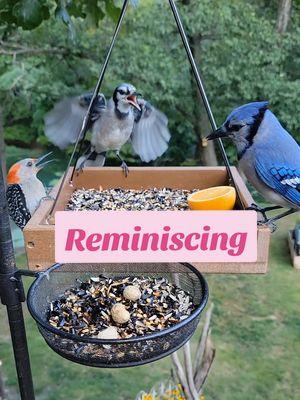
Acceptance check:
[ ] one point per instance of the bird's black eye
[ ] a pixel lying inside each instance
(121, 92)
(235, 128)
(29, 164)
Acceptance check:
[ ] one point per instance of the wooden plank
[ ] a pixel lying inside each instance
(39, 236)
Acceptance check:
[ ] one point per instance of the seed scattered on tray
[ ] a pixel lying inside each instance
(98, 307)
(129, 199)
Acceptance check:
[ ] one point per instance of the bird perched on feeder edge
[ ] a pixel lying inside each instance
(268, 156)
(125, 116)
(24, 190)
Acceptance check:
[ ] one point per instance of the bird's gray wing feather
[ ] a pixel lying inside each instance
(150, 134)
(64, 121)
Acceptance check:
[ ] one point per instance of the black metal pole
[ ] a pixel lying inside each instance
(11, 294)
(202, 92)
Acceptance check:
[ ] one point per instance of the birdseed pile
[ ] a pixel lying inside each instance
(107, 308)
(129, 199)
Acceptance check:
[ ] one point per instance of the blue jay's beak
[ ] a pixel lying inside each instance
(219, 133)
(39, 164)
(132, 99)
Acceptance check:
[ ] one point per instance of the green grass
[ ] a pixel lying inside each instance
(256, 330)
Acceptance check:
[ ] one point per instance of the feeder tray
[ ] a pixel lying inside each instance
(39, 236)
(115, 353)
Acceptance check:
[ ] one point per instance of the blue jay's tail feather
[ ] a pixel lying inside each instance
(97, 161)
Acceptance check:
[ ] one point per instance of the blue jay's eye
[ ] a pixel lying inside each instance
(121, 92)
(235, 128)
(29, 164)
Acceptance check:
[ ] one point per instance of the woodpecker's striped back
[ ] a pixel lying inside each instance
(17, 207)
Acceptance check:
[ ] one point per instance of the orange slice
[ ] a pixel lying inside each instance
(214, 198)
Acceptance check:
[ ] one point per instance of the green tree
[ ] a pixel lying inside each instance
(241, 56)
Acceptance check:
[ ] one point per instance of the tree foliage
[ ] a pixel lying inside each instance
(29, 14)
(242, 58)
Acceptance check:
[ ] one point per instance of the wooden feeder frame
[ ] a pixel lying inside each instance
(39, 236)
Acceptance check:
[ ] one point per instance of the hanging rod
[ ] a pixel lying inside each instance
(81, 135)
(203, 94)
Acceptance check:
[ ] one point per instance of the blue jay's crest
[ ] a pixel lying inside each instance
(247, 114)
(125, 88)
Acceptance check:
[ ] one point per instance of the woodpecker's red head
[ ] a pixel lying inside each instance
(26, 169)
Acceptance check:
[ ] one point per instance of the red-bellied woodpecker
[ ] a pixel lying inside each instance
(24, 190)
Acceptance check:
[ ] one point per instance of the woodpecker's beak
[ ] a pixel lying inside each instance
(132, 99)
(218, 133)
(40, 163)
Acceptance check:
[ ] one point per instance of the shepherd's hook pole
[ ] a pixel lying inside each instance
(11, 294)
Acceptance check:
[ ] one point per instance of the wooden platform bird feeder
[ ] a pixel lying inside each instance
(39, 236)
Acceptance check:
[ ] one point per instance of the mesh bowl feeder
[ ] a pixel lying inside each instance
(115, 353)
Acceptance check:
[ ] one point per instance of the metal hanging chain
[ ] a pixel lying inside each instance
(85, 124)
(203, 94)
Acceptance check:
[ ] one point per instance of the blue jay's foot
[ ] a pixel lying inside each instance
(263, 211)
(257, 208)
(268, 223)
(123, 165)
(79, 169)
(125, 168)
(80, 164)
(271, 222)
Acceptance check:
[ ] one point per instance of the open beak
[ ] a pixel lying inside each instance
(219, 133)
(132, 99)
(40, 163)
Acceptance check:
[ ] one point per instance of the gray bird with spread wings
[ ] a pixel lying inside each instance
(125, 116)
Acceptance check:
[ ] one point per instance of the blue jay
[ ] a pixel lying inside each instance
(124, 117)
(268, 156)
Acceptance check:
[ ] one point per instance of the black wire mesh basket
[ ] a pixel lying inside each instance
(115, 353)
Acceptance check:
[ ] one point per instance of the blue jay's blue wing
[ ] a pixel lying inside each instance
(283, 179)
(277, 159)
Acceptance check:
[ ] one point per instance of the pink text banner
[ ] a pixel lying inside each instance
(155, 236)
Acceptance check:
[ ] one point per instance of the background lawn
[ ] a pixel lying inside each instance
(256, 329)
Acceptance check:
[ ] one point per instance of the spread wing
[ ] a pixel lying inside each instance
(284, 179)
(150, 134)
(64, 121)
(17, 208)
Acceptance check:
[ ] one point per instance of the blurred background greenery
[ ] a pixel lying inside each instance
(246, 50)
